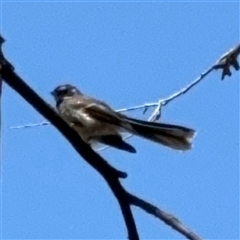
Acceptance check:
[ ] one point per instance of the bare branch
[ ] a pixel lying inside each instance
(184, 90)
(156, 115)
(167, 218)
(109, 173)
(143, 106)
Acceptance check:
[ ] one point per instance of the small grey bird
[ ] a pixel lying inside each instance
(96, 122)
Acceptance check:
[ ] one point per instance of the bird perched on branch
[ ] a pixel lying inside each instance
(96, 122)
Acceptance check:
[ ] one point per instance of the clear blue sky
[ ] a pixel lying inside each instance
(127, 54)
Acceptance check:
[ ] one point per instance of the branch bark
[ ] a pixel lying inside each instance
(109, 173)
(167, 218)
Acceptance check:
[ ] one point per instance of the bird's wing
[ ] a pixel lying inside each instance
(101, 111)
(92, 108)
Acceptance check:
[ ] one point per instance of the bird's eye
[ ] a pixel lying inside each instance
(73, 90)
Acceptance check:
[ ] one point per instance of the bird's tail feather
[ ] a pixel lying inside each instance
(173, 136)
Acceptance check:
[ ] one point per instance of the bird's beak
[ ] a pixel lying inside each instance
(52, 93)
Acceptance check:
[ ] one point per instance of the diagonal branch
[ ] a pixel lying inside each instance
(167, 218)
(184, 90)
(110, 174)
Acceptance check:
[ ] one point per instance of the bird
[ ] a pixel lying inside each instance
(96, 122)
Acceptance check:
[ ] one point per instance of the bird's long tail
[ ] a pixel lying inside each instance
(173, 136)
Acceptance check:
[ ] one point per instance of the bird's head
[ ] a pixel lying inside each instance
(63, 91)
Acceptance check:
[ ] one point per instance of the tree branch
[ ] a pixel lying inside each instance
(109, 173)
(167, 218)
(187, 88)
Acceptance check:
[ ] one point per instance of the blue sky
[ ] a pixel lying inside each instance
(126, 53)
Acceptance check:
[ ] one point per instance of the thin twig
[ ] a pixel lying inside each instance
(225, 62)
(158, 105)
(156, 115)
(184, 90)
(142, 106)
(43, 123)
